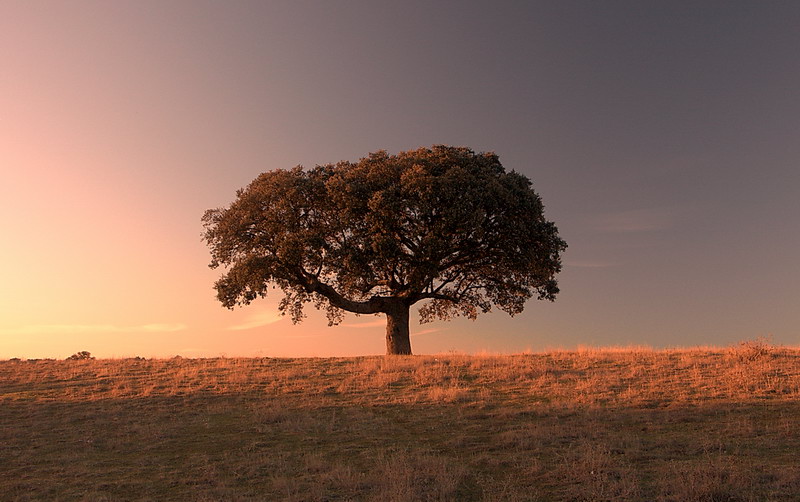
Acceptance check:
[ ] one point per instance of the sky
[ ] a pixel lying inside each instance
(661, 136)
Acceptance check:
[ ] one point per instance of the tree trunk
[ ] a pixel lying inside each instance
(397, 337)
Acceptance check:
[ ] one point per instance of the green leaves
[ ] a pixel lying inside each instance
(442, 224)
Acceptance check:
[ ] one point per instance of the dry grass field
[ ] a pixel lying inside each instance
(589, 425)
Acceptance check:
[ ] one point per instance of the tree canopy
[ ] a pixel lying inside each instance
(441, 224)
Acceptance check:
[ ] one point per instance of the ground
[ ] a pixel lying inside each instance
(591, 425)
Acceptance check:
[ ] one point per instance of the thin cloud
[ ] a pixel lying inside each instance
(369, 324)
(256, 321)
(588, 264)
(71, 329)
(637, 220)
(161, 328)
(426, 331)
(293, 335)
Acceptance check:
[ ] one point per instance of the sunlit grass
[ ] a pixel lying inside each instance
(592, 424)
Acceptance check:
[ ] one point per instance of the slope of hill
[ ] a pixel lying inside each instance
(592, 425)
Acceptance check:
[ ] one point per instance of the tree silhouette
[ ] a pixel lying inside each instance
(442, 225)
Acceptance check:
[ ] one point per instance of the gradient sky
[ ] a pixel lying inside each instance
(663, 137)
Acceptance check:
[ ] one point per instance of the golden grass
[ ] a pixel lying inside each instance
(710, 424)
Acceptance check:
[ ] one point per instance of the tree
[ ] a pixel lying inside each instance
(441, 224)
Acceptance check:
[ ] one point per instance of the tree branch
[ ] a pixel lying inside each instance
(434, 296)
(312, 284)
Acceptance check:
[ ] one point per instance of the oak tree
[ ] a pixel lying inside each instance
(443, 225)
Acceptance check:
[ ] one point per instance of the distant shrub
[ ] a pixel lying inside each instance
(753, 350)
(80, 356)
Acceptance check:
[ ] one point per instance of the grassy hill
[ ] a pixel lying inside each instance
(590, 425)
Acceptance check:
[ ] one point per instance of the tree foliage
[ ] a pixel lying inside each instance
(442, 224)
